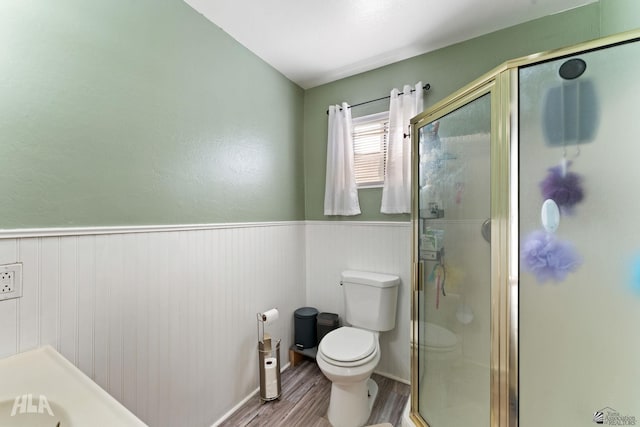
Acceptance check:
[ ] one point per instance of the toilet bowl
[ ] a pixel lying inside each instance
(440, 347)
(347, 356)
(439, 339)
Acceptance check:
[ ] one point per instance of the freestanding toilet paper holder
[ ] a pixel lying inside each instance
(268, 363)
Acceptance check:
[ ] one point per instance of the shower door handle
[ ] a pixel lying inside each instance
(419, 275)
(485, 230)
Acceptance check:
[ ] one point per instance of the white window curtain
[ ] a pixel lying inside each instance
(396, 193)
(340, 193)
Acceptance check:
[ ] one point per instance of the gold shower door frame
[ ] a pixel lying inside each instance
(502, 84)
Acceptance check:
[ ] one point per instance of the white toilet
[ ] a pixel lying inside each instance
(348, 355)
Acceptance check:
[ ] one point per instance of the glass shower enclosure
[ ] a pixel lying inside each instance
(526, 255)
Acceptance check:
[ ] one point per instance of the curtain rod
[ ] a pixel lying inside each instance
(425, 88)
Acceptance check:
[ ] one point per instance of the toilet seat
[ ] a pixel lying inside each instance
(348, 347)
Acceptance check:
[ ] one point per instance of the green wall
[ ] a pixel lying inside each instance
(143, 112)
(447, 70)
(127, 112)
(619, 16)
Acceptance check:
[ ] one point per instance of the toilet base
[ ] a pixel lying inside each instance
(350, 404)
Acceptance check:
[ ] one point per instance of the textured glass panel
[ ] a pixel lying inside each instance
(455, 303)
(580, 285)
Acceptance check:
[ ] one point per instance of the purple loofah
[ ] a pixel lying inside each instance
(564, 189)
(548, 257)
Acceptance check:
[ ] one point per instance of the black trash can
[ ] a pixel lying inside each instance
(305, 327)
(327, 322)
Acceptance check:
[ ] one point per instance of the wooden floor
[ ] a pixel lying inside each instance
(305, 399)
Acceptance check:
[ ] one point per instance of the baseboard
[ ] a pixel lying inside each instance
(242, 402)
(393, 377)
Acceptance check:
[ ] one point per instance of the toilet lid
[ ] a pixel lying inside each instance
(348, 344)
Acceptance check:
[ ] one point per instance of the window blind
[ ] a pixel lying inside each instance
(370, 135)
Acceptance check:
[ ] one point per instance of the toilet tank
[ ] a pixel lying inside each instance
(370, 299)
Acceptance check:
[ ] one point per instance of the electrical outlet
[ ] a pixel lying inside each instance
(10, 281)
(7, 279)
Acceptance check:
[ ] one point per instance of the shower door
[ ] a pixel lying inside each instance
(452, 245)
(580, 267)
(526, 279)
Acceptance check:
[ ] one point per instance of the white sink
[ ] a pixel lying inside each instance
(42, 388)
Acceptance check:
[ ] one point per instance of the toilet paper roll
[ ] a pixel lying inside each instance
(270, 315)
(271, 377)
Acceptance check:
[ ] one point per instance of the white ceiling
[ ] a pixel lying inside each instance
(317, 42)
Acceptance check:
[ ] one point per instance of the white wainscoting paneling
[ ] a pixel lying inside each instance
(165, 321)
(384, 247)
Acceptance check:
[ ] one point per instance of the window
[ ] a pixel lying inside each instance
(370, 136)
